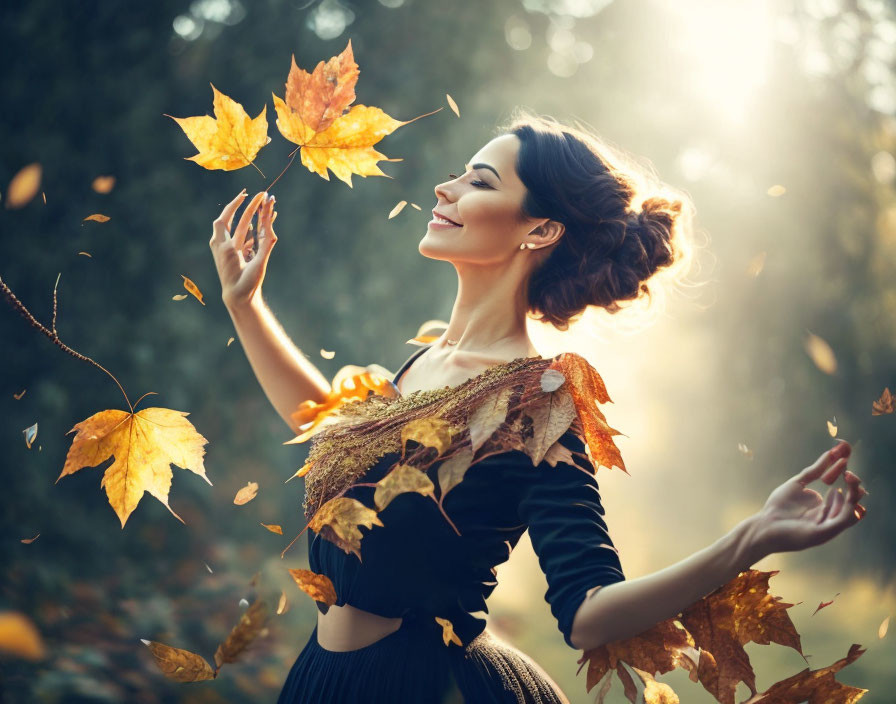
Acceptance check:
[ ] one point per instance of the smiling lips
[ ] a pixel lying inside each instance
(439, 216)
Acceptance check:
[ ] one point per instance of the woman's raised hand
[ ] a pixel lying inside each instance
(240, 268)
(795, 517)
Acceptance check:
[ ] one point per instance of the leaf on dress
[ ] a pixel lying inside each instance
(400, 480)
(488, 416)
(429, 432)
(338, 521)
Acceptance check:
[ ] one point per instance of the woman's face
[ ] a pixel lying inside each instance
(485, 201)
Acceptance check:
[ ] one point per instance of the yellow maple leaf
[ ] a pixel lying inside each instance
(228, 141)
(144, 445)
(311, 116)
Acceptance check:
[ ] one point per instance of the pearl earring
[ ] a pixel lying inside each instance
(530, 245)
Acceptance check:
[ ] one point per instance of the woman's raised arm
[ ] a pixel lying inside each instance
(287, 377)
(793, 518)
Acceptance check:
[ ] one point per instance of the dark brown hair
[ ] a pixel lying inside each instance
(621, 224)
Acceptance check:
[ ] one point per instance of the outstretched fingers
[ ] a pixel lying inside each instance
(242, 228)
(827, 467)
(221, 225)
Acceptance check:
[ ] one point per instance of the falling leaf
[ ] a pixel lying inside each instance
(20, 637)
(756, 264)
(745, 451)
(338, 521)
(414, 205)
(243, 603)
(144, 445)
(208, 568)
(179, 665)
(246, 494)
(23, 186)
(317, 586)
(28, 541)
(179, 297)
(327, 354)
(19, 395)
(192, 288)
(98, 217)
(229, 341)
(452, 104)
(882, 629)
(448, 634)
(397, 209)
(832, 428)
(776, 191)
(228, 141)
(30, 434)
(44, 196)
(824, 603)
(814, 686)
(884, 404)
(103, 184)
(283, 604)
(274, 528)
(821, 353)
(312, 117)
(400, 480)
(86, 254)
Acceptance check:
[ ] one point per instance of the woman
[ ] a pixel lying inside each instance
(543, 220)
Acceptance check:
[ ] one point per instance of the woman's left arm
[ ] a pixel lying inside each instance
(793, 518)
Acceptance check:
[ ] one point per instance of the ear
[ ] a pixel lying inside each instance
(548, 233)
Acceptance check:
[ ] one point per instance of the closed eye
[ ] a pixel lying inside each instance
(480, 184)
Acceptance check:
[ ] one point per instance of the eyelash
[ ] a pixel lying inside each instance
(480, 184)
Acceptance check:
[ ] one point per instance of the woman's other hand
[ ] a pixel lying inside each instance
(795, 517)
(240, 268)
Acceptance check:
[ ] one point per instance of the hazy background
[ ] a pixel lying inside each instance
(777, 119)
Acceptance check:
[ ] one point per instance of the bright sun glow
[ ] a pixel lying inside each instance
(728, 45)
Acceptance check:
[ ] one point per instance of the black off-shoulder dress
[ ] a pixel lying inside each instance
(416, 567)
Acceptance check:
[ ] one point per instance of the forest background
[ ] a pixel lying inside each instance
(779, 119)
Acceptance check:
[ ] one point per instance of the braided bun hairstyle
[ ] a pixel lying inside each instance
(619, 228)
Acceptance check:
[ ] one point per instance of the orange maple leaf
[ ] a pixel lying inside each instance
(228, 141)
(144, 445)
(311, 116)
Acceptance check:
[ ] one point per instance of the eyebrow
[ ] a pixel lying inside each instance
(483, 166)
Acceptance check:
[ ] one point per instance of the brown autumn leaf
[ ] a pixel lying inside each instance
(814, 686)
(180, 665)
(229, 140)
(339, 519)
(103, 184)
(317, 586)
(247, 629)
(448, 634)
(884, 404)
(23, 186)
(311, 116)
(587, 389)
(144, 445)
(20, 637)
(429, 432)
(28, 541)
(823, 604)
(246, 494)
(192, 288)
(274, 528)
(98, 217)
(706, 639)
(86, 254)
(401, 480)
(656, 692)
(19, 395)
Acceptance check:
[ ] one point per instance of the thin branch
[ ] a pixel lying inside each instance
(19, 306)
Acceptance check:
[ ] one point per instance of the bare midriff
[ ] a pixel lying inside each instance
(345, 628)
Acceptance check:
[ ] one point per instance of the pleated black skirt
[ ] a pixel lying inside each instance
(408, 666)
